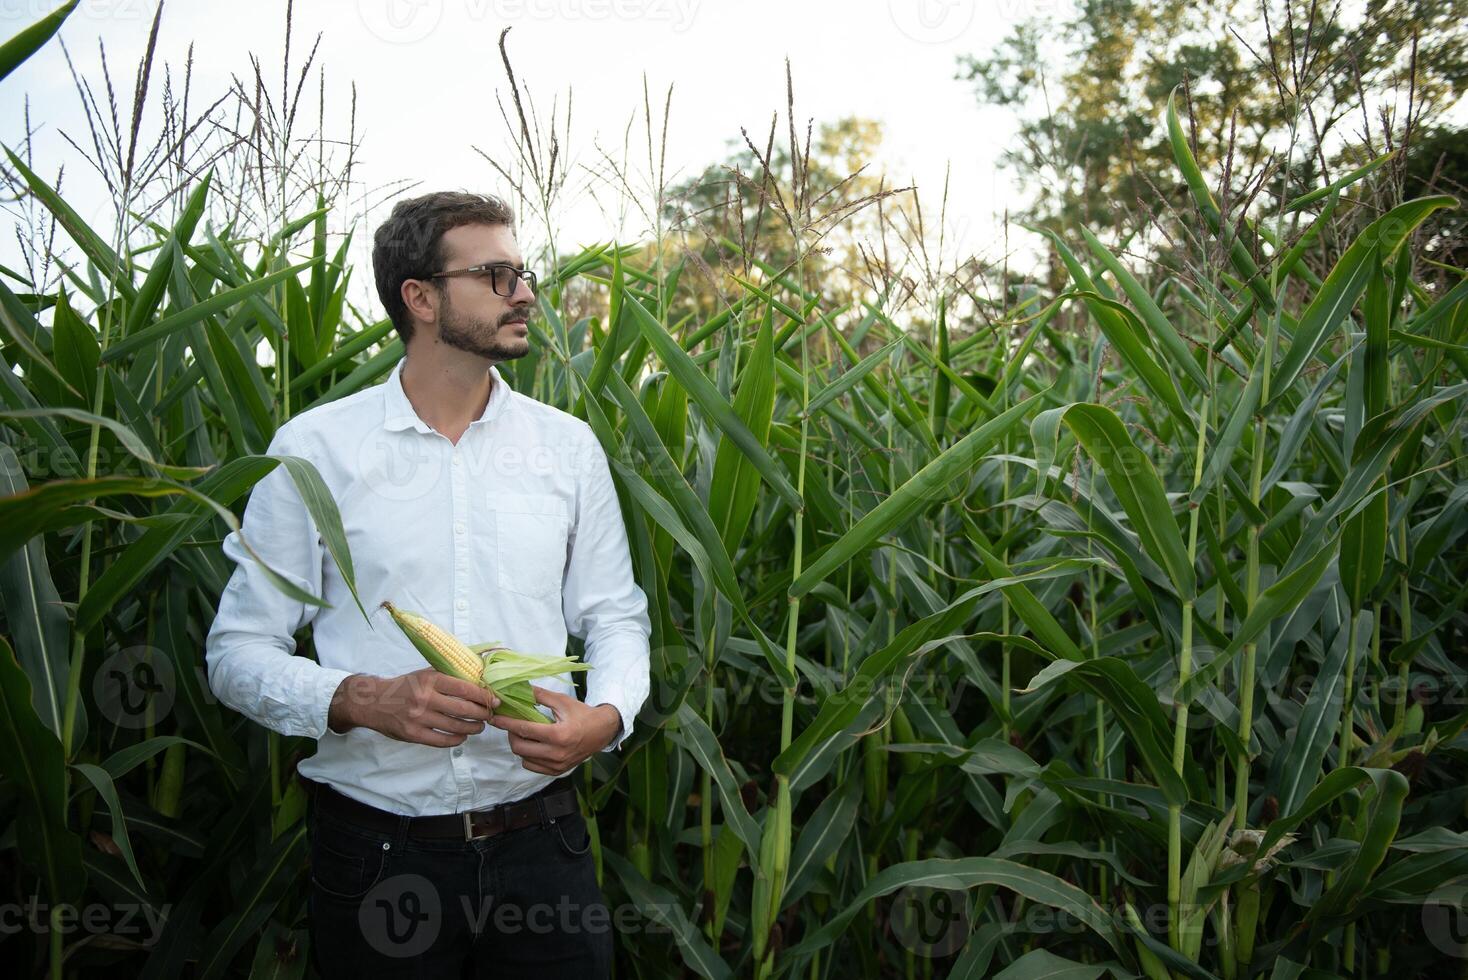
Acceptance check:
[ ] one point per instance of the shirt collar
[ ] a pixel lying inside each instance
(399, 413)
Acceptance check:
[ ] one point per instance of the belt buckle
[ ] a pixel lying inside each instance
(469, 827)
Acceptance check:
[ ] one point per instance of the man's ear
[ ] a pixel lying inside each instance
(421, 299)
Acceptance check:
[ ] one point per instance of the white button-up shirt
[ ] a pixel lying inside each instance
(514, 534)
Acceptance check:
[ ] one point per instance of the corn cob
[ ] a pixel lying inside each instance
(439, 647)
(496, 668)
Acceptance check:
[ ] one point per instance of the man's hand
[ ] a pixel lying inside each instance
(425, 706)
(579, 732)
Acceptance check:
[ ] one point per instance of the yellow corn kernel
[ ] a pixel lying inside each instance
(439, 647)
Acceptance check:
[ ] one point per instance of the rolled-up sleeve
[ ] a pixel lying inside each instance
(251, 644)
(602, 603)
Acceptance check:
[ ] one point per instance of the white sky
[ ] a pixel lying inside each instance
(419, 64)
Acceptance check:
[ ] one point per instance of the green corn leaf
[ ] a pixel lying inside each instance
(127, 437)
(38, 625)
(36, 348)
(1132, 478)
(300, 325)
(1363, 550)
(619, 331)
(293, 227)
(735, 483)
(1222, 454)
(703, 392)
(1280, 598)
(942, 386)
(962, 873)
(212, 494)
(1135, 706)
(1162, 330)
(1447, 303)
(661, 907)
(1331, 787)
(1299, 767)
(21, 46)
(850, 378)
(1238, 252)
(255, 900)
(195, 314)
(155, 283)
(728, 858)
(75, 351)
(1346, 282)
(1041, 964)
(1343, 898)
(841, 707)
(101, 781)
(821, 836)
(978, 953)
(320, 286)
(1047, 629)
(1299, 427)
(689, 524)
(794, 382)
(696, 736)
(364, 374)
(33, 765)
(908, 500)
(1117, 324)
(1379, 441)
(1340, 184)
(341, 358)
(124, 760)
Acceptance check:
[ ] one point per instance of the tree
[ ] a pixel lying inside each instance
(1091, 145)
(756, 201)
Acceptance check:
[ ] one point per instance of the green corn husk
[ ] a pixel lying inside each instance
(508, 673)
(1152, 966)
(169, 791)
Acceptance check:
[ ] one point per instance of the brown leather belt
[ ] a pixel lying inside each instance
(544, 807)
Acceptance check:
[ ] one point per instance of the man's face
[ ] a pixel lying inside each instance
(472, 317)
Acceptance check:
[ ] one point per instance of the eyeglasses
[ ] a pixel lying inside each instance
(502, 276)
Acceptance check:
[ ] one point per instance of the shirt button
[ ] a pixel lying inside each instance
(462, 604)
(459, 527)
(458, 460)
(458, 752)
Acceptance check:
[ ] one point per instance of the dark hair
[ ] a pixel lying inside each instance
(408, 245)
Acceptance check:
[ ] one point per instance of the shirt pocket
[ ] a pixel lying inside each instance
(530, 542)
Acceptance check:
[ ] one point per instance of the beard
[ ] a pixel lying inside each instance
(476, 335)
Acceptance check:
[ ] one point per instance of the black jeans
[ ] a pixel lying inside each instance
(519, 904)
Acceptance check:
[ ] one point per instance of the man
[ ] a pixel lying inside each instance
(442, 841)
